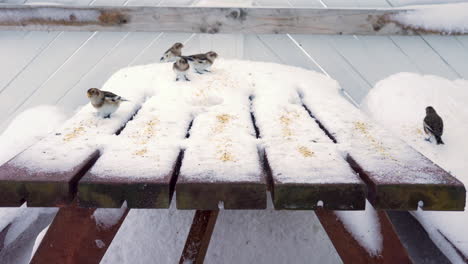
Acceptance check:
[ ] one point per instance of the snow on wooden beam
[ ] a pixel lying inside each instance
(79, 235)
(199, 236)
(210, 20)
(349, 248)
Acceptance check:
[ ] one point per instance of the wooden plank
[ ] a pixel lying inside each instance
(208, 20)
(86, 239)
(398, 177)
(199, 237)
(452, 50)
(38, 70)
(349, 248)
(149, 164)
(221, 168)
(46, 173)
(305, 167)
(321, 49)
(424, 57)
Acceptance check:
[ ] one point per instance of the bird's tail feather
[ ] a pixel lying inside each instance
(439, 140)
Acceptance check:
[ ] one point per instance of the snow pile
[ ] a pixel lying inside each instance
(384, 157)
(364, 226)
(27, 128)
(83, 133)
(258, 236)
(399, 103)
(448, 18)
(222, 143)
(106, 218)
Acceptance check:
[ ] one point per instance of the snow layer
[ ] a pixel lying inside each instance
(247, 236)
(385, 157)
(222, 144)
(449, 18)
(106, 218)
(412, 93)
(364, 226)
(84, 132)
(26, 129)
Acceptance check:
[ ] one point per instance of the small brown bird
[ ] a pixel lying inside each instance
(106, 103)
(202, 62)
(181, 67)
(433, 125)
(172, 53)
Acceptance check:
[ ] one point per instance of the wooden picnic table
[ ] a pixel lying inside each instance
(318, 152)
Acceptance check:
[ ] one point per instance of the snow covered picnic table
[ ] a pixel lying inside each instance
(222, 141)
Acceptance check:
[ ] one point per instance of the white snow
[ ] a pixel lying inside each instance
(26, 129)
(38, 241)
(399, 103)
(106, 218)
(258, 236)
(449, 18)
(364, 226)
(84, 133)
(379, 153)
(222, 144)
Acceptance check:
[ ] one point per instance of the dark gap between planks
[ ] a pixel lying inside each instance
(73, 184)
(178, 164)
(261, 152)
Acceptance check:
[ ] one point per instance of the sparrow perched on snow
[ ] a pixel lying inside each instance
(105, 102)
(202, 62)
(181, 67)
(433, 125)
(172, 53)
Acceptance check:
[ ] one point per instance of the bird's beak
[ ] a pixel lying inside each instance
(89, 95)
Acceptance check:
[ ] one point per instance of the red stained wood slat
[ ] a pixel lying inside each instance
(199, 237)
(351, 251)
(76, 237)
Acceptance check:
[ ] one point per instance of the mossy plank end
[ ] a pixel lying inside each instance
(305, 196)
(111, 192)
(430, 197)
(40, 188)
(200, 195)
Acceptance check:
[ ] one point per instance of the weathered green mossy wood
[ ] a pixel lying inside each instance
(305, 196)
(437, 197)
(40, 189)
(302, 196)
(440, 196)
(111, 192)
(203, 195)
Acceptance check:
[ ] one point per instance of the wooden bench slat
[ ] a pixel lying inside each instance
(77, 236)
(46, 173)
(199, 237)
(349, 248)
(141, 166)
(305, 165)
(398, 176)
(221, 166)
